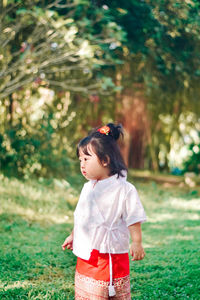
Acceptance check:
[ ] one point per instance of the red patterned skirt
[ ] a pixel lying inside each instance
(92, 277)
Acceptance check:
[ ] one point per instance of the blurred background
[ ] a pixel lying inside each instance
(68, 66)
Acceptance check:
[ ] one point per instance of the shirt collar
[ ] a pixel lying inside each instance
(104, 183)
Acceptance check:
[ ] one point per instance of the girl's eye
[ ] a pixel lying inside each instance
(83, 159)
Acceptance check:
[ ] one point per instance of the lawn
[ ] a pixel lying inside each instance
(36, 216)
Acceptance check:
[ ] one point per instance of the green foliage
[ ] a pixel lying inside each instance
(26, 154)
(192, 164)
(58, 50)
(56, 45)
(81, 48)
(161, 53)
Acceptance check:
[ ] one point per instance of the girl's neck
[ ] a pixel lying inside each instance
(100, 179)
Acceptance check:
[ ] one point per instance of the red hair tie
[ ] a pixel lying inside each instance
(104, 130)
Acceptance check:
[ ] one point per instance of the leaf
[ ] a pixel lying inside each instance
(21, 11)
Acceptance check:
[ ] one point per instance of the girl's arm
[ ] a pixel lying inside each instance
(68, 243)
(136, 248)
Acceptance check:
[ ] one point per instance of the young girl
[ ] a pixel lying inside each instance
(108, 212)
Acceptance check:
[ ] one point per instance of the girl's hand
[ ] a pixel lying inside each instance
(68, 243)
(137, 251)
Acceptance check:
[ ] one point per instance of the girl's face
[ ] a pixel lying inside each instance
(91, 167)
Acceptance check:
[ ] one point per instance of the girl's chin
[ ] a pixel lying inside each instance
(85, 175)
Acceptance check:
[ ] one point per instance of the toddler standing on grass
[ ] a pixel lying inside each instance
(108, 212)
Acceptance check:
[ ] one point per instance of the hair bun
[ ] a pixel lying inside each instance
(115, 130)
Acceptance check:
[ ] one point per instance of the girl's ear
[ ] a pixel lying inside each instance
(106, 161)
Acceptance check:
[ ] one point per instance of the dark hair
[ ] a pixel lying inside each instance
(105, 147)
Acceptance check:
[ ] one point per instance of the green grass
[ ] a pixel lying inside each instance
(36, 216)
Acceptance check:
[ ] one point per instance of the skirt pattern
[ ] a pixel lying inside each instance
(87, 288)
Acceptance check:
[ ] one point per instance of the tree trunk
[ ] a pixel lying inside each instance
(136, 153)
(134, 118)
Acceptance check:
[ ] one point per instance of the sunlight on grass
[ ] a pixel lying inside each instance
(196, 228)
(16, 284)
(145, 245)
(181, 237)
(53, 203)
(32, 215)
(162, 217)
(192, 204)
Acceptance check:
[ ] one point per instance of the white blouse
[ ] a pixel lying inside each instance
(104, 211)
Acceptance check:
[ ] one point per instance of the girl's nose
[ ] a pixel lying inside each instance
(82, 165)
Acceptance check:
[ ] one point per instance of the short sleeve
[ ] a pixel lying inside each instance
(133, 209)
